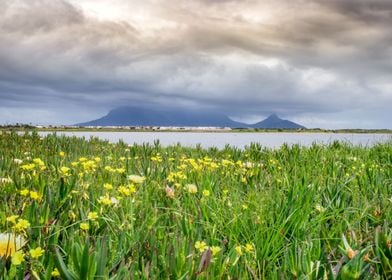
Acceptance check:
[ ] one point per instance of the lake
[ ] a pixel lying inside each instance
(239, 140)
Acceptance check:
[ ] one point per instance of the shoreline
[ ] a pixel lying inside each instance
(191, 129)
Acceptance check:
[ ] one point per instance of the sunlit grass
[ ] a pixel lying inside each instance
(89, 209)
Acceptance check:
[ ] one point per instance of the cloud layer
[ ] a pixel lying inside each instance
(324, 63)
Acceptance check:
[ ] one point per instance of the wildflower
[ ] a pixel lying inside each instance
(7, 180)
(21, 225)
(169, 192)
(238, 250)
(132, 188)
(319, 208)
(40, 163)
(136, 179)
(206, 193)
(92, 215)
(35, 196)
(215, 250)
(61, 154)
(55, 273)
(12, 219)
(72, 215)
(120, 170)
(114, 201)
(351, 253)
(64, 171)
(28, 167)
(24, 192)
(17, 161)
(108, 187)
(10, 243)
(84, 226)
(37, 252)
(109, 169)
(201, 246)
(124, 191)
(105, 200)
(192, 188)
(17, 258)
(248, 248)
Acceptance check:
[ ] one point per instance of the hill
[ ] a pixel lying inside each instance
(273, 121)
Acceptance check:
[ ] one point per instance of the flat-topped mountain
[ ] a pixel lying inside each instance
(140, 116)
(133, 116)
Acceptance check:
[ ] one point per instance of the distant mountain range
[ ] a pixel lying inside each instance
(137, 116)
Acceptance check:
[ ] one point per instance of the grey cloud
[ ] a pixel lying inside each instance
(325, 58)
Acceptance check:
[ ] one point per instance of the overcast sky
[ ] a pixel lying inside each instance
(322, 63)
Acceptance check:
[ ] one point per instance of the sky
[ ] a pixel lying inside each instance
(322, 63)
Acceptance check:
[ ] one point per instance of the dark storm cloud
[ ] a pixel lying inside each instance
(246, 58)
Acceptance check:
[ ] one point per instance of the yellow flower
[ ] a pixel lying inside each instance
(21, 225)
(40, 163)
(206, 193)
(35, 196)
(24, 192)
(61, 154)
(120, 170)
(192, 188)
(17, 258)
(215, 250)
(28, 167)
(201, 246)
(124, 191)
(37, 252)
(92, 215)
(10, 243)
(105, 200)
(64, 171)
(55, 273)
(248, 248)
(238, 250)
(84, 226)
(12, 219)
(136, 179)
(108, 187)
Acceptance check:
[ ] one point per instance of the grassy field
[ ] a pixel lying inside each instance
(87, 209)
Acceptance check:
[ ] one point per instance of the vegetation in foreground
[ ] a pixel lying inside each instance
(88, 209)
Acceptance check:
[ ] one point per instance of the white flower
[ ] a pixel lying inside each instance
(17, 161)
(136, 179)
(5, 180)
(10, 243)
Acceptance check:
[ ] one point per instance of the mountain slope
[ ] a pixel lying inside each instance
(273, 121)
(134, 116)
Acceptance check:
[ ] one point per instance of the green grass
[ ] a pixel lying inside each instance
(318, 212)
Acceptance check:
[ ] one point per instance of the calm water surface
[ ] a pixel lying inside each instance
(239, 140)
